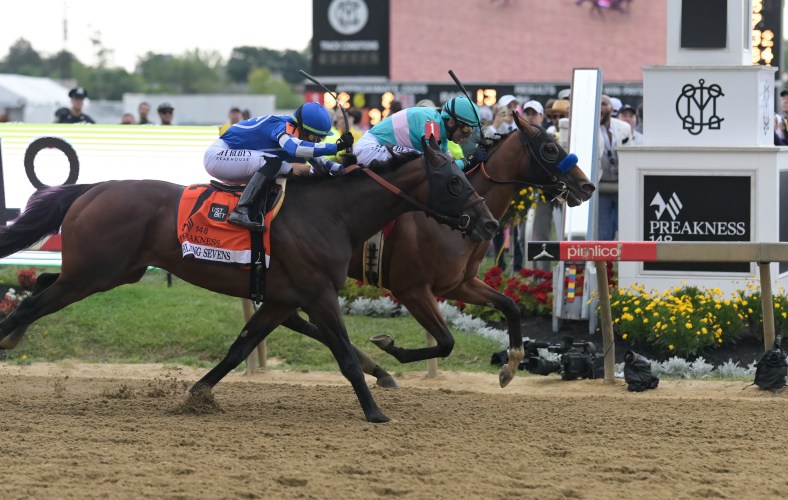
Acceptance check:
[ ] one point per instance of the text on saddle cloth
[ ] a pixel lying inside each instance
(205, 234)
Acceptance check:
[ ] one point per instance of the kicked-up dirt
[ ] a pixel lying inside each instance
(124, 431)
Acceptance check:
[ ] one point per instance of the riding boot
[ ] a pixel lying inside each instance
(256, 185)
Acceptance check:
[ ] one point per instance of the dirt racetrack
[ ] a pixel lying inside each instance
(123, 431)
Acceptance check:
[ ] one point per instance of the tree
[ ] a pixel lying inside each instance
(191, 73)
(22, 58)
(243, 60)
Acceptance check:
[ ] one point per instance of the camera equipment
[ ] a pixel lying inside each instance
(772, 368)
(637, 373)
(577, 360)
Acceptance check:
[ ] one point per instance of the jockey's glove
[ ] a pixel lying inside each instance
(478, 156)
(345, 141)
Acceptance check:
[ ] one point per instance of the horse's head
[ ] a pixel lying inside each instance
(555, 171)
(453, 198)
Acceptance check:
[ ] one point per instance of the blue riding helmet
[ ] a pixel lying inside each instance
(314, 118)
(462, 110)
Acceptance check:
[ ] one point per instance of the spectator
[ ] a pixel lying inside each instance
(628, 114)
(166, 111)
(233, 117)
(613, 134)
(127, 119)
(534, 113)
(75, 114)
(143, 109)
(246, 114)
(257, 150)
(548, 122)
(559, 109)
(503, 121)
(616, 102)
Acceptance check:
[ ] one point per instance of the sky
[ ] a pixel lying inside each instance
(133, 28)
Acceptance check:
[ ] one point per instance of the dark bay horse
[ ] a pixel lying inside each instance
(417, 269)
(112, 231)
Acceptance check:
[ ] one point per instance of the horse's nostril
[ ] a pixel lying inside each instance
(491, 226)
(589, 187)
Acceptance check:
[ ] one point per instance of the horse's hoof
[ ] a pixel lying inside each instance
(387, 382)
(378, 418)
(383, 341)
(505, 376)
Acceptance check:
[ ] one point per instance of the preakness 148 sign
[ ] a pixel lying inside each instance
(697, 208)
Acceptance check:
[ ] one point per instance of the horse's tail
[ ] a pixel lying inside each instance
(43, 215)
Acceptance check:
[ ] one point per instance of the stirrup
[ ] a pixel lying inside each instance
(241, 219)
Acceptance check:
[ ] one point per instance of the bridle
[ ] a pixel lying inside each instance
(457, 191)
(549, 162)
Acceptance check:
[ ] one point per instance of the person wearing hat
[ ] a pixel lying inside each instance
(75, 114)
(403, 131)
(166, 111)
(628, 114)
(503, 122)
(256, 150)
(534, 113)
(559, 109)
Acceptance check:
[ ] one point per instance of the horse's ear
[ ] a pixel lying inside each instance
(431, 151)
(524, 125)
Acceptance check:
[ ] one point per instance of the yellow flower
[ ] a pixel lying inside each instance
(671, 347)
(688, 325)
(624, 336)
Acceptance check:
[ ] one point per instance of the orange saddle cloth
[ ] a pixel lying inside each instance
(203, 230)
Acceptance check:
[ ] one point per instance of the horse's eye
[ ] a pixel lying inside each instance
(455, 186)
(550, 151)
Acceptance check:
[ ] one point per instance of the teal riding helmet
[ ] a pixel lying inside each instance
(462, 110)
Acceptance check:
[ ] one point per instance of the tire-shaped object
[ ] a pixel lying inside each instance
(50, 142)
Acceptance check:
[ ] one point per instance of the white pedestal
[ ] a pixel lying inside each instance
(704, 194)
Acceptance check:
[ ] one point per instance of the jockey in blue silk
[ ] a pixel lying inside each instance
(258, 149)
(403, 131)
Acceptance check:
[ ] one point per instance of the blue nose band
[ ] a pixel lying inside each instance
(567, 163)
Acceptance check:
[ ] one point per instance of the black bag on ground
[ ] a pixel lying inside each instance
(637, 373)
(772, 368)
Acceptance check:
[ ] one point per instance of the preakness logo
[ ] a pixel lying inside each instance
(673, 205)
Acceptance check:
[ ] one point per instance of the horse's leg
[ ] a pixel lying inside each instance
(327, 316)
(423, 306)
(262, 322)
(43, 282)
(477, 292)
(302, 326)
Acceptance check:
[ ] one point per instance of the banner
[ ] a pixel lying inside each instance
(36, 155)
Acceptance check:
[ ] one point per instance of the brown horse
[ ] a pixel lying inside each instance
(418, 269)
(112, 232)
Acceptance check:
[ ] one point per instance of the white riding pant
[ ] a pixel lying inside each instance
(236, 165)
(369, 149)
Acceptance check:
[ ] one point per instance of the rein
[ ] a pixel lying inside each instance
(558, 185)
(462, 222)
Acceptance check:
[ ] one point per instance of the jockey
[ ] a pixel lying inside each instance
(404, 129)
(257, 149)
